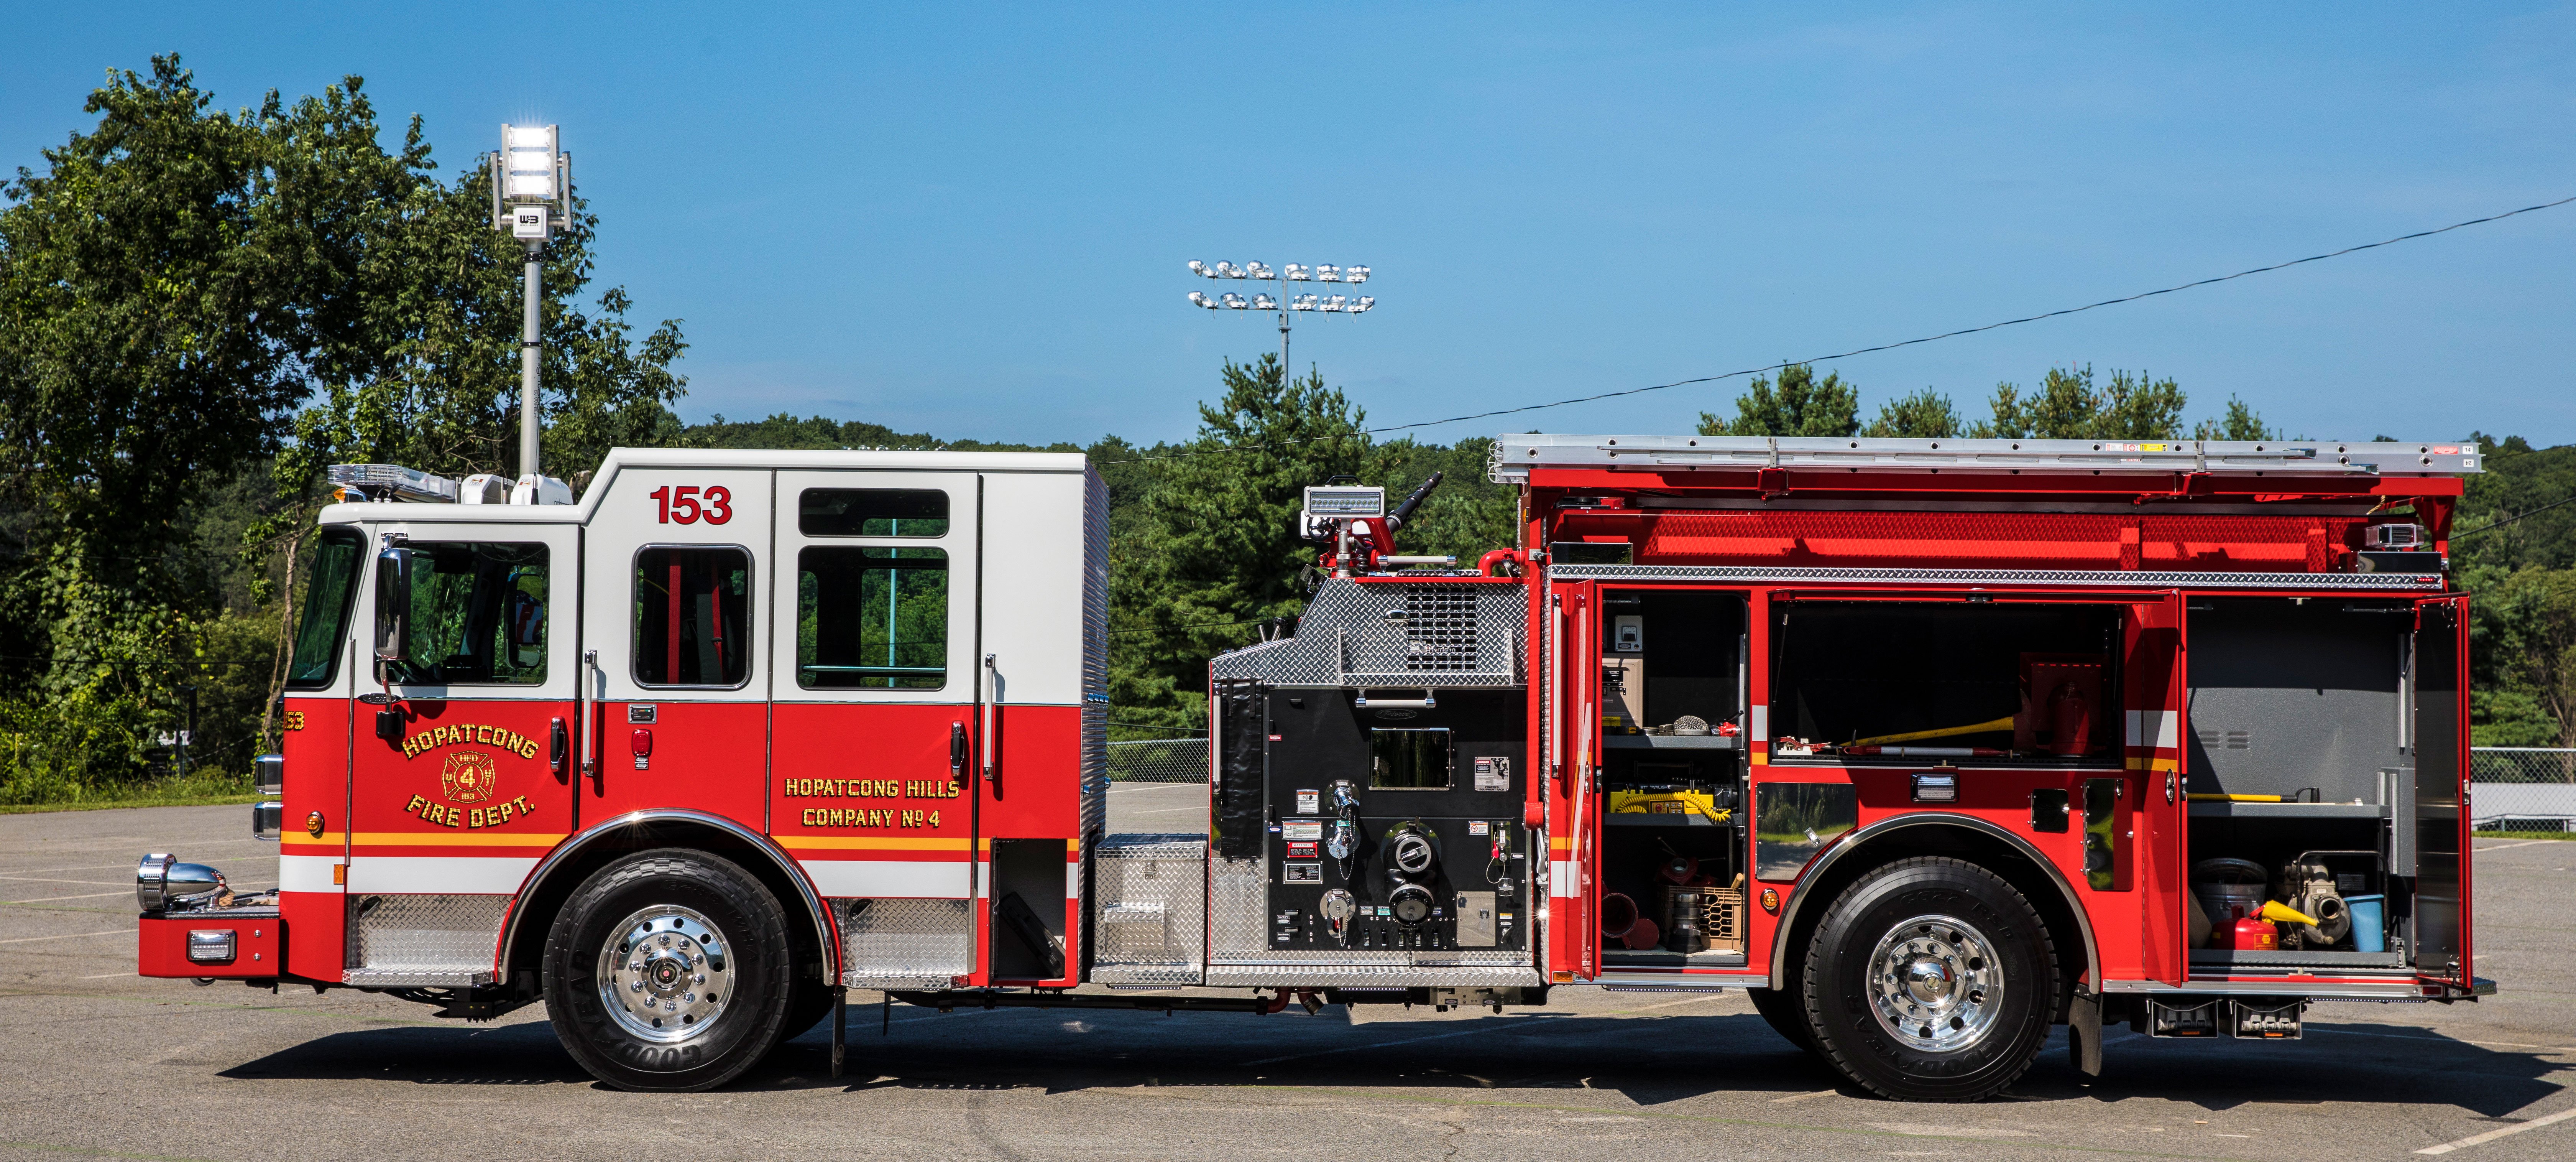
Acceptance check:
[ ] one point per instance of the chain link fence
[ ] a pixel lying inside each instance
(2522, 788)
(1159, 760)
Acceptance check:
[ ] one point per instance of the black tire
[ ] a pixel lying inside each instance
(1785, 1010)
(1931, 979)
(712, 934)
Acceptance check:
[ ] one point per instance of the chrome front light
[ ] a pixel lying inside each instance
(161, 881)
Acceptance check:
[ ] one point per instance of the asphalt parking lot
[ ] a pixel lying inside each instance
(107, 1065)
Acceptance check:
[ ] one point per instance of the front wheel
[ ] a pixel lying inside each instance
(1931, 979)
(668, 970)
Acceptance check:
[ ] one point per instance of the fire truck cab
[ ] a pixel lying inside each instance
(1932, 746)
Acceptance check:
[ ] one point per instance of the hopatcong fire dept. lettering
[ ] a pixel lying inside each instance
(463, 733)
(447, 816)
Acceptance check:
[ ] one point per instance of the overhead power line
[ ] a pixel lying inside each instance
(1597, 397)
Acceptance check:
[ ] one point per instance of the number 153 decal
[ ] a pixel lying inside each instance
(684, 504)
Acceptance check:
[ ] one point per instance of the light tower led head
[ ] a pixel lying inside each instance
(531, 183)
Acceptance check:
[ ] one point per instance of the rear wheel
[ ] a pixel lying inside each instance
(1931, 979)
(668, 970)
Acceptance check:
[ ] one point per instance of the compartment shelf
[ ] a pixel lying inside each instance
(1669, 741)
(2288, 811)
(1655, 819)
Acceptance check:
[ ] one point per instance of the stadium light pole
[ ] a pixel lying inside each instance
(1282, 300)
(531, 198)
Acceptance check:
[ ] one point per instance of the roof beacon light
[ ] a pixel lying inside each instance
(379, 482)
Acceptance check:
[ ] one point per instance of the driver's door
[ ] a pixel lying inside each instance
(460, 776)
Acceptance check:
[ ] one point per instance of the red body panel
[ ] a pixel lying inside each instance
(467, 779)
(161, 946)
(706, 756)
(1885, 520)
(872, 782)
(316, 748)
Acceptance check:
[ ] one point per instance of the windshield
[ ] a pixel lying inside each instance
(324, 625)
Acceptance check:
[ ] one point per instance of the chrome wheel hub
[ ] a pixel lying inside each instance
(1934, 984)
(662, 974)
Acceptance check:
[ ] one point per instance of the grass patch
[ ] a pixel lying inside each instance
(201, 790)
(2560, 835)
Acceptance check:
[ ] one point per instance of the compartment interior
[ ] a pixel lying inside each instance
(1673, 788)
(2031, 684)
(2299, 724)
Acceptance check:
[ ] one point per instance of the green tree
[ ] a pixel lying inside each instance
(2240, 423)
(1799, 405)
(1217, 546)
(1924, 415)
(2068, 406)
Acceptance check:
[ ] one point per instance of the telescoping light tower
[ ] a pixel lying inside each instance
(531, 198)
(1282, 300)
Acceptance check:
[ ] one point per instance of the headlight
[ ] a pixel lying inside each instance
(161, 881)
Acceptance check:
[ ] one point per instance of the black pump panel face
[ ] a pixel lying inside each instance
(1413, 811)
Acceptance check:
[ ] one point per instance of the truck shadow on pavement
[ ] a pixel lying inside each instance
(1651, 1062)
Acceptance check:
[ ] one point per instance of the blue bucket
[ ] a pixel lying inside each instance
(2369, 928)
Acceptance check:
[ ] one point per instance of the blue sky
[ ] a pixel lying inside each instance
(974, 222)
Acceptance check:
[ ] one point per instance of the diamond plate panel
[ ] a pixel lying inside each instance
(424, 940)
(1095, 654)
(1395, 633)
(1149, 910)
(1239, 918)
(903, 943)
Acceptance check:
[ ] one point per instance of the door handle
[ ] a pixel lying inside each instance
(957, 753)
(992, 742)
(590, 764)
(559, 751)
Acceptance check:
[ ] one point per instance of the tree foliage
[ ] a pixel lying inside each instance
(1799, 405)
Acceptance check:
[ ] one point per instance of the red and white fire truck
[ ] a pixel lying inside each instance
(1931, 745)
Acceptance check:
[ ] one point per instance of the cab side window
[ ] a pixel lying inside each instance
(692, 617)
(478, 615)
(871, 618)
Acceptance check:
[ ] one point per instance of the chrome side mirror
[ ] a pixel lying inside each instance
(393, 605)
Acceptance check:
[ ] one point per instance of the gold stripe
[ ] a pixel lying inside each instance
(453, 839)
(870, 843)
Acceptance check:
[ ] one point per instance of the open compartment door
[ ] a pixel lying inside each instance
(2158, 695)
(2440, 949)
(1574, 678)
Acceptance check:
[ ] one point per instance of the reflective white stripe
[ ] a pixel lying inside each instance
(1072, 881)
(465, 875)
(1561, 879)
(1761, 723)
(924, 879)
(306, 873)
(2137, 730)
(2168, 728)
